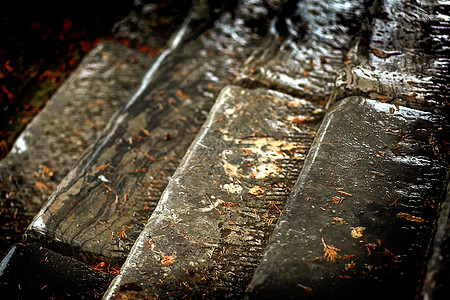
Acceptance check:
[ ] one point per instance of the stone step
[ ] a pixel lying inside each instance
(78, 111)
(217, 213)
(238, 177)
(362, 215)
(102, 83)
(100, 208)
(44, 153)
(180, 254)
(29, 272)
(399, 57)
(305, 47)
(438, 272)
(360, 218)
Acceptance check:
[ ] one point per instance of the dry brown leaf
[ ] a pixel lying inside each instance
(330, 252)
(410, 217)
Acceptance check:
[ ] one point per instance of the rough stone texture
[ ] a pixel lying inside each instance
(306, 46)
(385, 221)
(215, 217)
(33, 272)
(360, 218)
(400, 56)
(437, 276)
(102, 205)
(56, 138)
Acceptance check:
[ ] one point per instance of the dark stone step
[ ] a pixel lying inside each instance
(360, 218)
(306, 46)
(99, 210)
(56, 138)
(230, 276)
(399, 57)
(215, 217)
(30, 271)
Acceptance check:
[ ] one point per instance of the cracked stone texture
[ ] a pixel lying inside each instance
(360, 217)
(216, 215)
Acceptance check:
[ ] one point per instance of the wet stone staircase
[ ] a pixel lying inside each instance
(273, 149)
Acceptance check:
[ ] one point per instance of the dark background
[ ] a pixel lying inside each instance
(41, 43)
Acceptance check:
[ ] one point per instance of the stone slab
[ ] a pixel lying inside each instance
(360, 218)
(215, 217)
(306, 46)
(100, 208)
(400, 57)
(56, 138)
(33, 272)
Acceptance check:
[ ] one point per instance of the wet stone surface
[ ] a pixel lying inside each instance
(207, 234)
(360, 218)
(306, 47)
(103, 204)
(33, 272)
(55, 140)
(400, 57)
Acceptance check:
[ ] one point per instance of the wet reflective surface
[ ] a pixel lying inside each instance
(215, 217)
(361, 214)
(363, 211)
(104, 203)
(55, 140)
(306, 45)
(400, 57)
